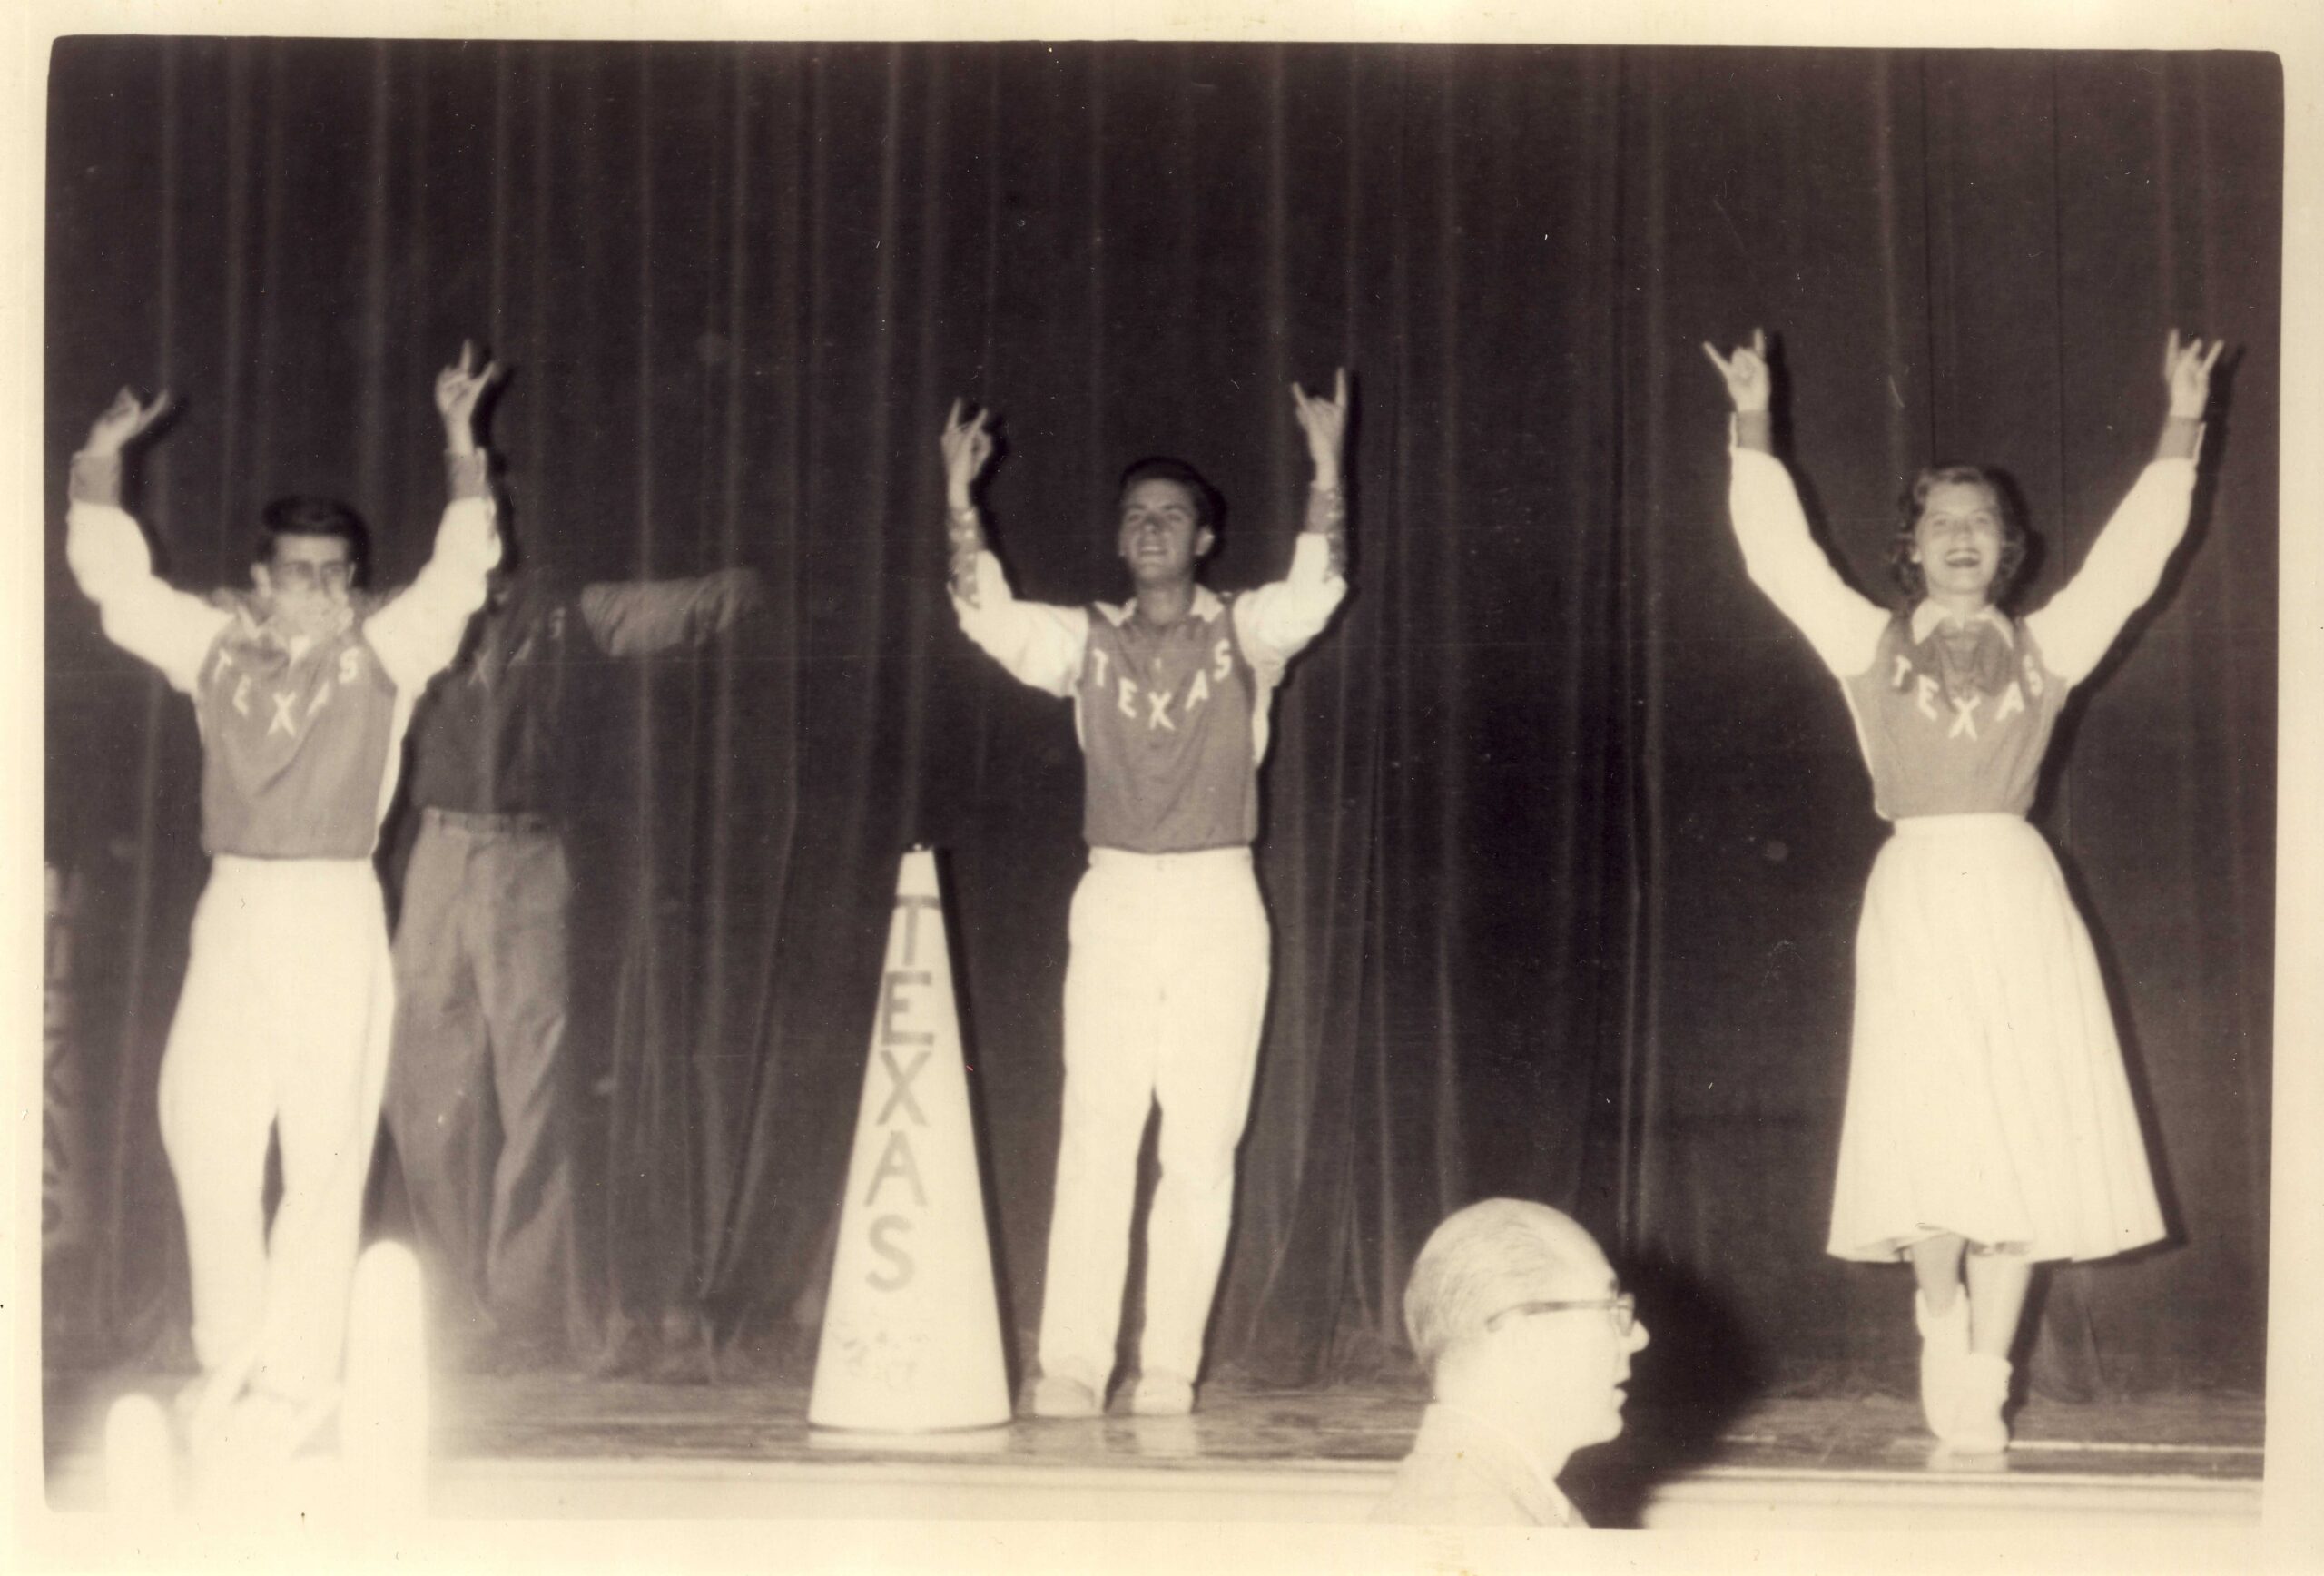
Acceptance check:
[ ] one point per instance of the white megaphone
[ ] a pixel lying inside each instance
(911, 1327)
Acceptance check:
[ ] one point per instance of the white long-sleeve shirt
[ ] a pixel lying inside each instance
(1153, 706)
(1944, 733)
(2075, 629)
(301, 740)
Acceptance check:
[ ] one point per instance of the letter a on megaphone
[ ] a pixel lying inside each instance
(912, 1330)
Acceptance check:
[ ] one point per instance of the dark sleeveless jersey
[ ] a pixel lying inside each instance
(1955, 731)
(488, 736)
(295, 752)
(1166, 716)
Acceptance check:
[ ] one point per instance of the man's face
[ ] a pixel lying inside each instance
(1957, 540)
(1569, 1364)
(1161, 539)
(306, 582)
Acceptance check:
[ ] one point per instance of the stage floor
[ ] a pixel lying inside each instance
(547, 1446)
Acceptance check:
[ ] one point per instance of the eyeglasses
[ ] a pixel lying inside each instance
(1623, 1305)
(301, 575)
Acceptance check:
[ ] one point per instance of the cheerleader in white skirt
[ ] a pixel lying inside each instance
(1989, 1124)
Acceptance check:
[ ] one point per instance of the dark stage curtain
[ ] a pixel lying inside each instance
(1565, 831)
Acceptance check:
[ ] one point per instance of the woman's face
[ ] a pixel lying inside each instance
(1958, 541)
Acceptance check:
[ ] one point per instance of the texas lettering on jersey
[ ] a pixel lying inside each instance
(1157, 702)
(1954, 730)
(1166, 716)
(291, 699)
(1959, 707)
(293, 747)
(515, 640)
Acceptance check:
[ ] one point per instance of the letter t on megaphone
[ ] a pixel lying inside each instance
(911, 1329)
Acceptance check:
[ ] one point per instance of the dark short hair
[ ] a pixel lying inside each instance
(1209, 507)
(1913, 503)
(313, 517)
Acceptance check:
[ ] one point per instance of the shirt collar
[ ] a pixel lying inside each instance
(262, 625)
(1499, 1451)
(1207, 605)
(1930, 614)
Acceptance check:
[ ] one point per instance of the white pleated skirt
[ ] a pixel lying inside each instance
(1986, 1095)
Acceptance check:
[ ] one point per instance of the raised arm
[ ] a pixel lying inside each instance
(419, 632)
(1039, 645)
(640, 617)
(1779, 553)
(107, 552)
(459, 392)
(2126, 563)
(1275, 621)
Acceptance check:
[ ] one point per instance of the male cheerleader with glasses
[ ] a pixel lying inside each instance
(303, 686)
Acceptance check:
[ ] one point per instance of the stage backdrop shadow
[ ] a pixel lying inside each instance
(1564, 829)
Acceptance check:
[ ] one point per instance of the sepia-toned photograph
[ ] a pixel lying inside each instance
(1334, 784)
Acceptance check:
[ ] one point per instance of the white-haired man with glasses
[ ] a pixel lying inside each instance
(1526, 1338)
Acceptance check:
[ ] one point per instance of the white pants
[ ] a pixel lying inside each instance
(1165, 998)
(284, 1027)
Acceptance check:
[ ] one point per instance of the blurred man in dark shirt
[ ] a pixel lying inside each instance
(481, 948)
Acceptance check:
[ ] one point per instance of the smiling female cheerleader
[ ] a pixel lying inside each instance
(1989, 1124)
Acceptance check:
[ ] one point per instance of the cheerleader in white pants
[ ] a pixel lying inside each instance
(1989, 1124)
(302, 688)
(1166, 987)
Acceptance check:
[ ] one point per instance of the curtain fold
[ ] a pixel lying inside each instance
(1564, 832)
